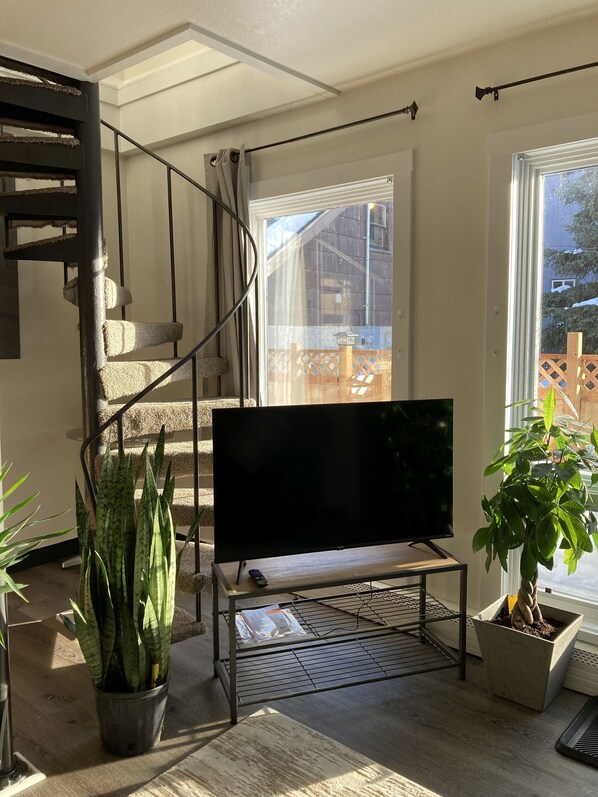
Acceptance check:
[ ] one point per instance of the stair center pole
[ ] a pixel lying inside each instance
(92, 311)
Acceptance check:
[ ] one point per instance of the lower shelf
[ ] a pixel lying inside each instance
(307, 668)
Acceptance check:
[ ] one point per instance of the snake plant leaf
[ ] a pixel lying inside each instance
(131, 645)
(188, 537)
(159, 454)
(89, 642)
(83, 522)
(168, 489)
(145, 523)
(103, 497)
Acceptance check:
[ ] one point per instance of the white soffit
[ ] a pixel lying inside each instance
(184, 55)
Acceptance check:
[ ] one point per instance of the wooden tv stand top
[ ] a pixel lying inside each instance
(329, 568)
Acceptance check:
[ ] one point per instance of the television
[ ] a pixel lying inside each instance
(299, 479)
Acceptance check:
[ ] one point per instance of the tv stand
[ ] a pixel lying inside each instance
(432, 545)
(367, 614)
(242, 564)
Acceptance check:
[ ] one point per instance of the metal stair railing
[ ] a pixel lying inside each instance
(247, 245)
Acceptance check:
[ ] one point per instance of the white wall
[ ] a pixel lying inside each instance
(451, 140)
(40, 394)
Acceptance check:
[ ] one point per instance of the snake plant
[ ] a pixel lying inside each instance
(125, 604)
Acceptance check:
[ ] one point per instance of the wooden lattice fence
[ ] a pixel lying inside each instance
(575, 374)
(316, 376)
(313, 376)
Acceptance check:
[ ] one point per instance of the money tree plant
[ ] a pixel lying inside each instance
(543, 503)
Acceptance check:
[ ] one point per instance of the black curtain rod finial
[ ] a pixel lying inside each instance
(413, 109)
(480, 93)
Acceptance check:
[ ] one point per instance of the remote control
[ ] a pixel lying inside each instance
(258, 577)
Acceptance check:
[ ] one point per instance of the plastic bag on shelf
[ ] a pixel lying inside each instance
(266, 624)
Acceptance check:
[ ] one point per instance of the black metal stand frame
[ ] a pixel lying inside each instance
(362, 633)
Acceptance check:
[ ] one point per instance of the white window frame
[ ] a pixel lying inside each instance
(560, 283)
(518, 161)
(266, 198)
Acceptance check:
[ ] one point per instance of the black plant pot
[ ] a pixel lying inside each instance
(131, 722)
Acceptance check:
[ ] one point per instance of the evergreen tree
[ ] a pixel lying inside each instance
(578, 188)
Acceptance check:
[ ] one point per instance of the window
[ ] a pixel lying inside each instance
(328, 294)
(334, 282)
(553, 327)
(556, 285)
(378, 225)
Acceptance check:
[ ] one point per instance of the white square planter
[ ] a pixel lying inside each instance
(521, 667)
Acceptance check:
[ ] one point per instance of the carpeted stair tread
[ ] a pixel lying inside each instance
(48, 141)
(121, 337)
(148, 417)
(114, 295)
(128, 377)
(43, 154)
(43, 125)
(188, 580)
(16, 171)
(52, 99)
(185, 626)
(59, 87)
(34, 207)
(40, 243)
(39, 224)
(183, 505)
(179, 453)
(59, 249)
(53, 191)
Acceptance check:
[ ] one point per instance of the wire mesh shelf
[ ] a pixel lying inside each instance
(306, 668)
(328, 613)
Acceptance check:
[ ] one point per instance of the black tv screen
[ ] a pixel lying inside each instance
(298, 479)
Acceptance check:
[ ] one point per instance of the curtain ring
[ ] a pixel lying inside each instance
(234, 156)
(213, 160)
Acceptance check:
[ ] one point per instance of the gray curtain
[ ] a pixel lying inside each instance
(227, 178)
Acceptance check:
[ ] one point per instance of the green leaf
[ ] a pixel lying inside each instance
(548, 409)
(529, 562)
(547, 536)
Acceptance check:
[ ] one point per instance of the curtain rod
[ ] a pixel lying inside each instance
(480, 93)
(410, 109)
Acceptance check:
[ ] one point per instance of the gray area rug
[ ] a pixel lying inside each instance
(270, 755)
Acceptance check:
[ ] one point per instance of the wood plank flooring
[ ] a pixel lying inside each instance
(451, 736)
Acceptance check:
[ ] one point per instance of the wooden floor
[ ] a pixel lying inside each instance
(451, 736)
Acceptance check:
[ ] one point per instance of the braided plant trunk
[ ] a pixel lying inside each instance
(526, 611)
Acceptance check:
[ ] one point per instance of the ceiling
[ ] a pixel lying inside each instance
(329, 44)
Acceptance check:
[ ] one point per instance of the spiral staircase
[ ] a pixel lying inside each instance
(50, 160)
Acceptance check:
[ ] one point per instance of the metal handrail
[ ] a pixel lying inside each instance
(117, 417)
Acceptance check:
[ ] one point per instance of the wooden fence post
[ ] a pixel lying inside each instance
(345, 371)
(574, 369)
(296, 375)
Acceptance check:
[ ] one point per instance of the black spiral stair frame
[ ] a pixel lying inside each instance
(77, 113)
(92, 444)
